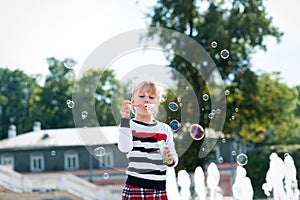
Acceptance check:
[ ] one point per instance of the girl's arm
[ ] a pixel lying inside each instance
(125, 136)
(171, 147)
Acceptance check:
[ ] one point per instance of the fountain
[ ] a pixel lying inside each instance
(213, 179)
(242, 188)
(184, 183)
(274, 178)
(290, 180)
(281, 178)
(281, 182)
(171, 184)
(199, 183)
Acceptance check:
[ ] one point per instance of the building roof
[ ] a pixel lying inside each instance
(63, 137)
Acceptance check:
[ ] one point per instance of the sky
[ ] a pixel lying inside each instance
(33, 30)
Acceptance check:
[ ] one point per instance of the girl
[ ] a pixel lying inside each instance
(140, 138)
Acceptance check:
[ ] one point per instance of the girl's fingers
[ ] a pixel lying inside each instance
(167, 153)
(125, 109)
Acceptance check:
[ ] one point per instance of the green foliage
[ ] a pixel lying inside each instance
(53, 111)
(266, 110)
(95, 91)
(23, 101)
(239, 27)
(17, 92)
(274, 119)
(242, 103)
(166, 115)
(297, 111)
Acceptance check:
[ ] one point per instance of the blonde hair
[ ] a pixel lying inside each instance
(146, 86)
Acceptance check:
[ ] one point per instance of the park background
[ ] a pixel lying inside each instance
(38, 39)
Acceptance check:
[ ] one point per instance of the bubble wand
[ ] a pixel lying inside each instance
(151, 108)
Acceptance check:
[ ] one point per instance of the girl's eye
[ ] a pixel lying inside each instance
(151, 97)
(141, 96)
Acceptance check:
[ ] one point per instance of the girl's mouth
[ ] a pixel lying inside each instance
(144, 106)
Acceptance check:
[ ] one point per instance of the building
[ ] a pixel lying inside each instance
(90, 153)
(45, 157)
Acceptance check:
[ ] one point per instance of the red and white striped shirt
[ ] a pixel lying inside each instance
(139, 140)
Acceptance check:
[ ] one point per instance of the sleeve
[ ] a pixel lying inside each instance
(125, 136)
(171, 145)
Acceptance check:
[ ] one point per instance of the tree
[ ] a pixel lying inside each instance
(54, 110)
(94, 92)
(276, 107)
(239, 27)
(264, 113)
(17, 93)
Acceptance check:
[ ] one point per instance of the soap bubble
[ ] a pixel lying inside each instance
(224, 54)
(175, 125)
(211, 115)
(213, 44)
(227, 92)
(163, 97)
(99, 151)
(205, 97)
(233, 153)
(152, 109)
(197, 132)
(173, 106)
(70, 103)
(242, 159)
(69, 64)
(53, 153)
(221, 159)
(106, 176)
(84, 114)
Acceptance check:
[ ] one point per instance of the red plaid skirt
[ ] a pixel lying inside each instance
(131, 192)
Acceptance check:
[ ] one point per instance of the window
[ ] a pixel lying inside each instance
(8, 161)
(106, 160)
(71, 160)
(37, 162)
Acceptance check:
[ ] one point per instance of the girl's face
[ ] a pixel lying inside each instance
(144, 97)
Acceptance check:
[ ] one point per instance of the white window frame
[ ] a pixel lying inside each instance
(73, 157)
(106, 160)
(37, 162)
(8, 160)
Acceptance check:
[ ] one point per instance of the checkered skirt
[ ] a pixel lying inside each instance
(131, 192)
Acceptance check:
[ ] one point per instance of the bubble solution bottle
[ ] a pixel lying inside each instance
(161, 145)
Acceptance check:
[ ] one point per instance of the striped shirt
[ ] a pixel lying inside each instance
(139, 140)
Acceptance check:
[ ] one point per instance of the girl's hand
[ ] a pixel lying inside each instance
(125, 109)
(168, 155)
